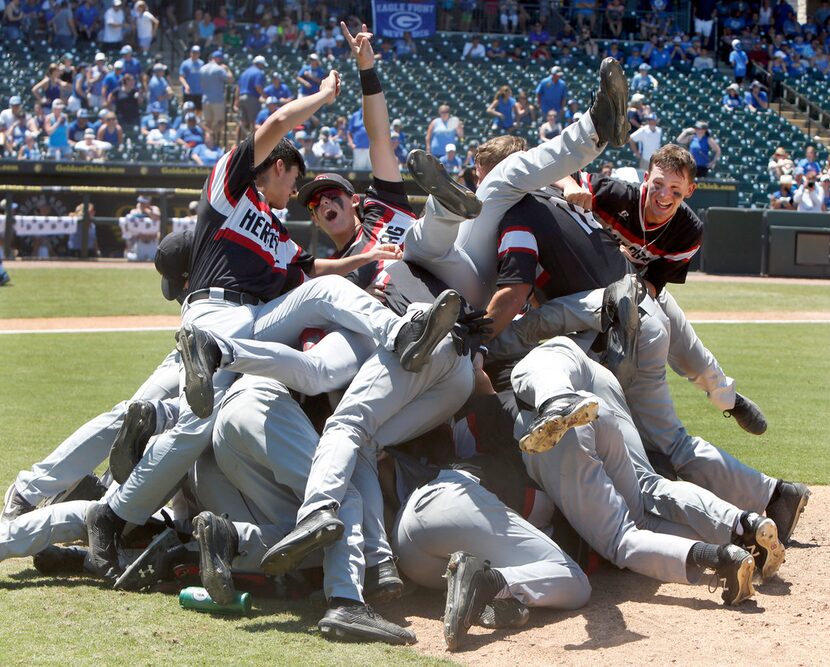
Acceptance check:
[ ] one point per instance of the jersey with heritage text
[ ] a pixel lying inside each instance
(239, 243)
(664, 251)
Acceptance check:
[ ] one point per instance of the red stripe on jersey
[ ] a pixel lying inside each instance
(245, 242)
(261, 205)
(530, 499)
(376, 202)
(586, 181)
(542, 279)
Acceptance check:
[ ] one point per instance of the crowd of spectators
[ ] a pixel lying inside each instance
(803, 183)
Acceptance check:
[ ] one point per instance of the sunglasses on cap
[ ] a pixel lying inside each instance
(330, 193)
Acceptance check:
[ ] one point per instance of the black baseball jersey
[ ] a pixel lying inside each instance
(663, 251)
(557, 247)
(239, 243)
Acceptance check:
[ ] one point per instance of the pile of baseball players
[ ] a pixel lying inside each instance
(431, 404)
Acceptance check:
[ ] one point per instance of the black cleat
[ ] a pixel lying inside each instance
(218, 544)
(103, 532)
(382, 583)
(608, 110)
(786, 510)
(431, 177)
(153, 565)
(556, 416)
(735, 573)
(471, 586)
(138, 427)
(349, 620)
(201, 357)
(508, 613)
(14, 505)
(317, 530)
(761, 540)
(89, 487)
(418, 337)
(748, 415)
(621, 319)
(55, 560)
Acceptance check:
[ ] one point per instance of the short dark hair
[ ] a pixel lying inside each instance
(676, 159)
(286, 152)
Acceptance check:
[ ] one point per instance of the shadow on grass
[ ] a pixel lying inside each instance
(31, 578)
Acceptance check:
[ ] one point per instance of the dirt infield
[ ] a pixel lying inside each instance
(634, 620)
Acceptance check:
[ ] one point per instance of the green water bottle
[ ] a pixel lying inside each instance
(196, 597)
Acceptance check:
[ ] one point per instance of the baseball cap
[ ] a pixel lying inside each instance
(556, 69)
(314, 56)
(677, 39)
(645, 67)
(217, 54)
(733, 86)
(14, 100)
(189, 116)
(573, 101)
(89, 132)
(450, 147)
(126, 50)
(736, 43)
(260, 60)
(159, 67)
(196, 48)
(397, 122)
(651, 116)
(276, 75)
(163, 119)
(193, 206)
(83, 113)
(301, 135)
(173, 261)
(188, 106)
(100, 56)
(143, 199)
(638, 97)
(394, 135)
(755, 84)
(272, 100)
(116, 3)
(119, 64)
(67, 56)
(58, 104)
(779, 54)
(323, 182)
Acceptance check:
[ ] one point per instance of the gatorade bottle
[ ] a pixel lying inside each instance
(196, 597)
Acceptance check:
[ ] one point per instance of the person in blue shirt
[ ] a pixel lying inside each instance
(661, 56)
(643, 82)
(756, 98)
(358, 140)
(271, 105)
(208, 153)
(403, 139)
(635, 59)
(151, 120)
(251, 88)
(278, 90)
(739, 60)
(310, 76)
(809, 162)
(552, 92)
(190, 78)
(79, 126)
(451, 162)
(158, 88)
(190, 134)
(733, 100)
(132, 65)
(113, 79)
(257, 40)
(796, 67)
(187, 107)
(502, 109)
(86, 20)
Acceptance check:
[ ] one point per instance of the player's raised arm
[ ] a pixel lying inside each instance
(375, 113)
(279, 123)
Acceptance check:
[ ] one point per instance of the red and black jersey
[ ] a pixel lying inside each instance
(238, 242)
(663, 251)
(559, 248)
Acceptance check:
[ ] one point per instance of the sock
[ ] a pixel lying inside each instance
(703, 555)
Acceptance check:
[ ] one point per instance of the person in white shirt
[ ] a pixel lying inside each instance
(810, 196)
(703, 61)
(146, 25)
(162, 134)
(92, 149)
(645, 141)
(474, 49)
(9, 116)
(326, 148)
(113, 32)
(327, 44)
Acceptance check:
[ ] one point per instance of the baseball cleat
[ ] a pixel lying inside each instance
(201, 357)
(556, 416)
(786, 510)
(349, 620)
(103, 533)
(317, 530)
(89, 487)
(748, 415)
(382, 583)
(218, 544)
(431, 177)
(608, 110)
(418, 337)
(620, 314)
(55, 560)
(471, 586)
(761, 540)
(504, 614)
(14, 505)
(735, 573)
(153, 565)
(138, 427)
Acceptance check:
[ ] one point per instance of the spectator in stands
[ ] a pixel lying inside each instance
(208, 153)
(92, 149)
(146, 25)
(704, 13)
(474, 49)
(256, 40)
(251, 89)
(443, 130)
(824, 184)
(397, 126)
(607, 169)
(16, 134)
(271, 105)
(551, 127)
(51, 87)
(190, 134)
(570, 110)
(87, 20)
(62, 27)
(95, 81)
(326, 45)
(781, 14)
(810, 160)
(645, 141)
(756, 98)
(132, 65)
(190, 77)
(305, 142)
(57, 129)
(221, 21)
(387, 53)
(326, 149)
(524, 112)
(551, 92)
(820, 62)
(702, 145)
(277, 89)
(30, 150)
(206, 31)
(643, 82)
(780, 164)
(126, 101)
(703, 62)
(405, 47)
(733, 99)
(10, 114)
(215, 75)
(613, 51)
(13, 20)
(586, 43)
(660, 57)
(539, 37)
(451, 162)
(783, 198)
(111, 131)
(113, 79)
(150, 121)
(310, 76)
(143, 243)
(796, 67)
(810, 196)
(37, 121)
(79, 126)
(340, 131)
(634, 60)
(73, 243)
(359, 142)
(162, 135)
(112, 36)
(636, 111)
(585, 13)
(186, 108)
(739, 60)
(614, 15)
(158, 88)
(501, 108)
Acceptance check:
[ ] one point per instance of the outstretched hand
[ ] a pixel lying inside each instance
(330, 86)
(360, 45)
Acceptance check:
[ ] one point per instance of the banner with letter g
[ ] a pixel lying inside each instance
(393, 19)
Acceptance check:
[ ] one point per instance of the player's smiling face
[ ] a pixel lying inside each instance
(665, 191)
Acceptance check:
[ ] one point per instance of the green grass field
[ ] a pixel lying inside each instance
(52, 383)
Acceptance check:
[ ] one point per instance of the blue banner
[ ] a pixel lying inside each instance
(393, 19)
